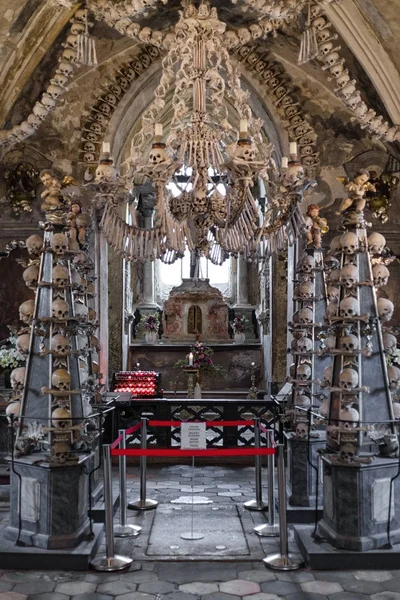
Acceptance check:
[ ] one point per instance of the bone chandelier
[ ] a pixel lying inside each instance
(214, 213)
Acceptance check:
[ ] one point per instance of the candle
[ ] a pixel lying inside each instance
(158, 130)
(190, 359)
(285, 162)
(252, 364)
(293, 148)
(243, 127)
(106, 148)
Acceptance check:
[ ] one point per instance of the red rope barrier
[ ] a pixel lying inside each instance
(208, 452)
(208, 423)
(128, 431)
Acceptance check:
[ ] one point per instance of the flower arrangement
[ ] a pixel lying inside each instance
(240, 324)
(202, 360)
(10, 358)
(150, 322)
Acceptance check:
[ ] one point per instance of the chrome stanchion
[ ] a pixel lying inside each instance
(109, 561)
(257, 504)
(124, 529)
(143, 503)
(270, 529)
(283, 561)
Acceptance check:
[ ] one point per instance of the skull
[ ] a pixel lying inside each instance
(59, 243)
(92, 314)
(331, 59)
(349, 343)
(301, 430)
(23, 343)
(349, 275)
(394, 376)
(389, 343)
(13, 409)
(245, 151)
(95, 127)
(60, 452)
(31, 276)
(334, 276)
(318, 23)
(305, 316)
(376, 243)
(327, 376)
(34, 245)
(348, 379)
(17, 378)
(385, 309)
(324, 408)
(303, 372)
(40, 111)
(336, 69)
(105, 172)
(304, 344)
(307, 264)
(303, 400)
(380, 274)
(332, 309)
(60, 345)
(89, 147)
(348, 453)
(348, 307)
(61, 418)
(231, 39)
(55, 91)
(305, 290)
(330, 342)
(332, 293)
(59, 309)
(349, 242)
(323, 35)
(255, 31)
(80, 310)
(61, 380)
(59, 276)
(94, 343)
(34, 121)
(243, 35)
(26, 310)
(325, 48)
(343, 79)
(349, 417)
(158, 154)
(65, 68)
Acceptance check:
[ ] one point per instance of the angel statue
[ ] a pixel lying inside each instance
(316, 226)
(356, 191)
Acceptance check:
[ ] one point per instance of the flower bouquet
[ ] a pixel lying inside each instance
(240, 324)
(150, 324)
(202, 360)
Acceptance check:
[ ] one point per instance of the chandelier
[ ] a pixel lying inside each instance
(203, 173)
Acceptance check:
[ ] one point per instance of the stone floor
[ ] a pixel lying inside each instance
(185, 577)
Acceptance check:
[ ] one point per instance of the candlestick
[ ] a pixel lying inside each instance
(106, 148)
(243, 128)
(158, 130)
(285, 162)
(190, 359)
(293, 148)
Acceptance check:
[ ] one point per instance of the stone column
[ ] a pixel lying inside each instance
(101, 269)
(278, 322)
(242, 305)
(146, 205)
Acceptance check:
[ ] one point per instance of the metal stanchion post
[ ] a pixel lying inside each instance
(283, 561)
(143, 503)
(123, 529)
(257, 504)
(109, 561)
(270, 529)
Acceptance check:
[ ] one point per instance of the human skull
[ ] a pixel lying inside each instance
(348, 343)
(343, 79)
(60, 452)
(380, 274)
(348, 307)
(331, 59)
(325, 48)
(303, 400)
(40, 111)
(61, 380)
(59, 309)
(243, 35)
(333, 276)
(89, 147)
(394, 376)
(26, 310)
(318, 23)
(348, 453)
(301, 430)
(305, 316)
(333, 293)
(65, 68)
(94, 343)
(327, 376)
(105, 172)
(59, 243)
(80, 310)
(323, 35)
(59, 276)
(332, 309)
(255, 31)
(158, 154)
(245, 151)
(61, 418)
(349, 275)
(23, 343)
(55, 91)
(13, 409)
(376, 243)
(385, 309)
(17, 378)
(349, 417)
(349, 242)
(34, 244)
(31, 276)
(34, 121)
(389, 343)
(335, 245)
(60, 345)
(348, 90)
(307, 264)
(337, 69)
(92, 314)
(305, 290)
(324, 408)
(303, 372)
(304, 344)
(348, 379)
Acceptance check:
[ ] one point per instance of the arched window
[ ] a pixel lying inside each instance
(195, 321)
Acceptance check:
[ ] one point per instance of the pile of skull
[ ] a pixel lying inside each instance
(70, 317)
(351, 254)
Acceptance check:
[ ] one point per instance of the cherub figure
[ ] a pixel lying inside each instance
(78, 222)
(316, 226)
(356, 191)
(52, 197)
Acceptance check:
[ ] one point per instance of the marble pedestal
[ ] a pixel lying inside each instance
(301, 475)
(356, 503)
(54, 502)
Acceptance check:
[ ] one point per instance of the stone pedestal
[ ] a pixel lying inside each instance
(54, 503)
(301, 475)
(356, 504)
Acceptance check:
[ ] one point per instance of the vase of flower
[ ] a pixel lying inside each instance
(239, 337)
(150, 323)
(239, 326)
(151, 337)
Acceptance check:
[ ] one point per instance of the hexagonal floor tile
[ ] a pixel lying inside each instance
(321, 587)
(378, 576)
(258, 576)
(240, 587)
(75, 588)
(199, 588)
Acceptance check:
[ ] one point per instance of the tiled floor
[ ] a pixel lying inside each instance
(186, 577)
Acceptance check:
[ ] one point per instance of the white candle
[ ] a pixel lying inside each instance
(252, 364)
(243, 126)
(190, 359)
(158, 130)
(293, 148)
(285, 162)
(106, 148)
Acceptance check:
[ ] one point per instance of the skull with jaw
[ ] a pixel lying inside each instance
(301, 430)
(305, 290)
(245, 151)
(305, 316)
(394, 377)
(348, 453)
(61, 418)
(376, 243)
(34, 245)
(307, 264)
(61, 380)
(59, 243)
(348, 343)
(158, 154)
(348, 379)
(60, 452)
(385, 309)
(60, 345)
(389, 343)
(59, 309)
(380, 274)
(349, 242)
(17, 379)
(327, 376)
(348, 307)
(304, 344)
(349, 275)
(59, 276)
(26, 310)
(31, 276)
(303, 372)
